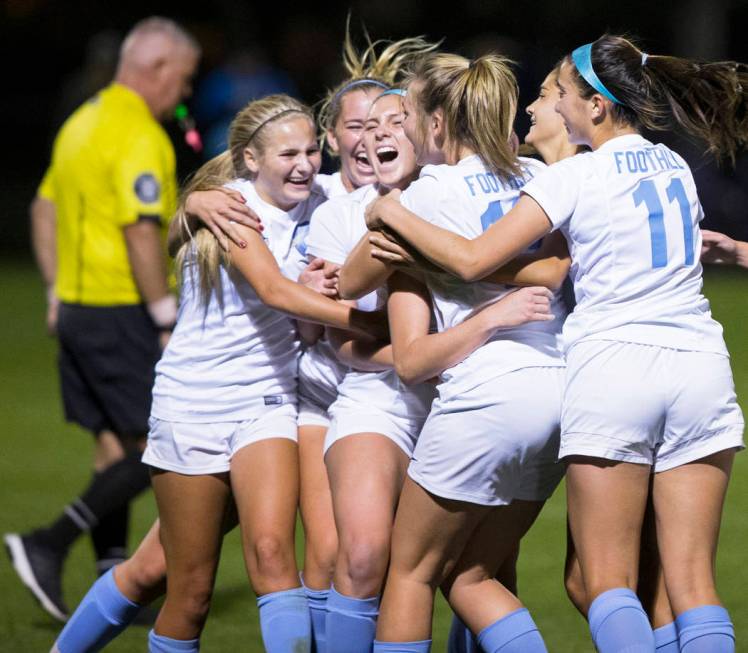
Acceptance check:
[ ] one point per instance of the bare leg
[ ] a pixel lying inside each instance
(607, 532)
(265, 481)
(191, 553)
(366, 475)
(320, 536)
(688, 504)
(428, 539)
(472, 589)
(142, 577)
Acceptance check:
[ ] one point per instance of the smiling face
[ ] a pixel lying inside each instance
(345, 138)
(284, 169)
(391, 153)
(576, 111)
(546, 124)
(422, 129)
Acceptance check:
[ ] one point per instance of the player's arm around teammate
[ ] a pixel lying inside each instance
(603, 106)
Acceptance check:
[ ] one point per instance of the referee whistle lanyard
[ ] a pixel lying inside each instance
(187, 125)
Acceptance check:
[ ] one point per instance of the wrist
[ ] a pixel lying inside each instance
(741, 254)
(163, 312)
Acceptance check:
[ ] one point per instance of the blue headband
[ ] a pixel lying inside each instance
(582, 58)
(358, 82)
(393, 91)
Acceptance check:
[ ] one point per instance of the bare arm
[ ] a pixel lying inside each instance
(420, 355)
(469, 260)
(44, 244)
(362, 353)
(719, 248)
(218, 209)
(260, 269)
(362, 273)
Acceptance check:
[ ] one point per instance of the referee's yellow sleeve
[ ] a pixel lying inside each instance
(142, 181)
(46, 189)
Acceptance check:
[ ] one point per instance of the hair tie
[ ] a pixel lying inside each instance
(471, 65)
(645, 56)
(582, 58)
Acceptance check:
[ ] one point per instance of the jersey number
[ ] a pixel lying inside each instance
(646, 192)
(494, 212)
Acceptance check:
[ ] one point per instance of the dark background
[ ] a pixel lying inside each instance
(55, 54)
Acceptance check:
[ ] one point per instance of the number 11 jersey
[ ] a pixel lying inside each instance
(630, 213)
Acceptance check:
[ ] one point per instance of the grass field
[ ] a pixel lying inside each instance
(45, 462)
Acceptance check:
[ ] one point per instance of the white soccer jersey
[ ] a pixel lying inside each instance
(320, 371)
(466, 198)
(331, 185)
(630, 213)
(228, 359)
(336, 228)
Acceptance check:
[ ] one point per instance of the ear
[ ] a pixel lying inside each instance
(436, 127)
(598, 107)
(251, 160)
(332, 141)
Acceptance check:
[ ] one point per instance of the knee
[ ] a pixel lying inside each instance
(146, 575)
(365, 562)
(192, 593)
(272, 557)
(322, 551)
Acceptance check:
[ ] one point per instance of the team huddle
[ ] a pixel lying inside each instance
(388, 350)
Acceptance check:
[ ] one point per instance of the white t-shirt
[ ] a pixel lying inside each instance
(336, 228)
(227, 360)
(320, 371)
(630, 213)
(466, 198)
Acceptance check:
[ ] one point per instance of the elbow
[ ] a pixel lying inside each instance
(558, 275)
(273, 294)
(407, 372)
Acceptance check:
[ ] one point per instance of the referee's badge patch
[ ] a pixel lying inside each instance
(147, 188)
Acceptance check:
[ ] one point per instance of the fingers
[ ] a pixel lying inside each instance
(387, 257)
(223, 241)
(315, 264)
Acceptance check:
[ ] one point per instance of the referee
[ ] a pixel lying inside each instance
(98, 229)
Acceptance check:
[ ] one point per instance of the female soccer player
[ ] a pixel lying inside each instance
(341, 120)
(648, 382)
(223, 415)
(484, 463)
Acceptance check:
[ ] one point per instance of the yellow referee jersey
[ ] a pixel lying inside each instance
(112, 164)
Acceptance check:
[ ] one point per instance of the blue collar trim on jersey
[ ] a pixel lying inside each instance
(582, 58)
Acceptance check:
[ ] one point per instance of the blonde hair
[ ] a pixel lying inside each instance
(246, 129)
(378, 66)
(479, 101)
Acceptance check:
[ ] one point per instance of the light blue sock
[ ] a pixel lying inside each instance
(666, 639)
(285, 622)
(515, 633)
(103, 614)
(424, 646)
(618, 622)
(461, 640)
(317, 600)
(705, 629)
(161, 644)
(351, 623)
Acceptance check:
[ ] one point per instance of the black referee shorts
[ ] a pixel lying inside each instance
(107, 360)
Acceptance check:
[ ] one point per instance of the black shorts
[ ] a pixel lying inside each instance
(107, 360)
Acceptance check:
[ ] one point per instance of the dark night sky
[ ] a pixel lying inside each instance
(44, 45)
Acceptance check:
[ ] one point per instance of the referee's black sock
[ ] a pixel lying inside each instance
(109, 538)
(114, 488)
